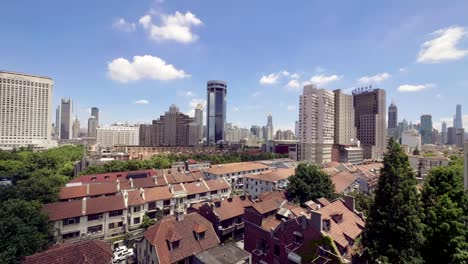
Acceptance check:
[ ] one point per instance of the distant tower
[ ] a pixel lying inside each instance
(443, 135)
(76, 128)
(216, 111)
(92, 127)
(393, 121)
(199, 120)
(457, 121)
(66, 125)
(269, 127)
(426, 129)
(95, 113)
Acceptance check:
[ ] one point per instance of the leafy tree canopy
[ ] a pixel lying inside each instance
(309, 183)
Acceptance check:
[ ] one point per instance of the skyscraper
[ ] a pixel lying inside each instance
(316, 124)
(457, 120)
(443, 135)
(426, 129)
(25, 110)
(370, 121)
(216, 111)
(66, 110)
(92, 126)
(199, 120)
(76, 128)
(393, 121)
(95, 113)
(269, 127)
(345, 131)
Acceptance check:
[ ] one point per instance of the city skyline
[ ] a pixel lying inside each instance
(405, 58)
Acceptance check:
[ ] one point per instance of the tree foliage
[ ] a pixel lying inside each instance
(24, 229)
(394, 232)
(446, 215)
(308, 183)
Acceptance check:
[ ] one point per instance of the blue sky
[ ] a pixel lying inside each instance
(113, 54)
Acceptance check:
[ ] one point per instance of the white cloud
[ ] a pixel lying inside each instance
(444, 46)
(142, 102)
(193, 103)
(295, 76)
(378, 78)
(402, 69)
(286, 73)
(255, 94)
(322, 80)
(235, 109)
(176, 27)
(414, 88)
(293, 84)
(269, 79)
(319, 69)
(123, 25)
(291, 107)
(143, 67)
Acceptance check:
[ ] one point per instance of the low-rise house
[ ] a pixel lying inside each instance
(89, 252)
(176, 239)
(344, 182)
(368, 176)
(421, 164)
(191, 164)
(225, 253)
(257, 183)
(226, 215)
(234, 172)
(114, 176)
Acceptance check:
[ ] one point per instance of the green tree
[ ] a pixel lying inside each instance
(446, 211)
(309, 183)
(394, 232)
(147, 222)
(24, 230)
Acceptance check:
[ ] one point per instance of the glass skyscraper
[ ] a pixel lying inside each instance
(216, 111)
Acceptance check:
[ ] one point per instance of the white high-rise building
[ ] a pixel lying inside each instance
(411, 139)
(199, 120)
(117, 134)
(316, 125)
(345, 130)
(25, 110)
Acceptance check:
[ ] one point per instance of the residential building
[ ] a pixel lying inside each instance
(426, 129)
(92, 126)
(393, 121)
(370, 121)
(216, 111)
(226, 215)
(25, 110)
(66, 123)
(460, 137)
(272, 180)
(368, 176)
(224, 253)
(176, 240)
(146, 152)
(458, 119)
(451, 136)
(117, 134)
(351, 153)
(411, 140)
(89, 252)
(443, 134)
(199, 120)
(316, 125)
(282, 147)
(345, 130)
(421, 164)
(284, 135)
(234, 172)
(76, 128)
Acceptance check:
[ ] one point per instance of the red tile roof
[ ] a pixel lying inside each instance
(87, 252)
(236, 167)
(63, 210)
(230, 208)
(73, 192)
(272, 175)
(278, 196)
(158, 194)
(342, 180)
(196, 187)
(105, 204)
(111, 176)
(270, 224)
(86, 190)
(217, 184)
(266, 206)
(135, 198)
(157, 236)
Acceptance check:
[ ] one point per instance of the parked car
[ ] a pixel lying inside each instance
(122, 255)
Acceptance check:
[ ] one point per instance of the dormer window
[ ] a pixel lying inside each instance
(200, 236)
(199, 231)
(174, 245)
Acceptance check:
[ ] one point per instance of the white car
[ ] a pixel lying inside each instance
(122, 255)
(119, 249)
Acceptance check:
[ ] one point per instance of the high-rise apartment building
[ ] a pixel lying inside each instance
(443, 134)
(393, 121)
(117, 134)
(457, 120)
(345, 131)
(95, 113)
(459, 137)
(199, 120)
(269, 128)
(451, 136)
(66, 123)
(316, 125)
(426, 129)
(92, 126)
(76, 128)
(370, 121)
(25, 110)
(216, 111)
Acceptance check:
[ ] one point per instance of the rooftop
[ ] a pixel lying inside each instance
(223, 254)
(342, 180)
(236, 167)
(272, 176)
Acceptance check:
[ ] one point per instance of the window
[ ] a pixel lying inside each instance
(202, 194)
(136, 209)
(136, 220)
(214, 192)
(115, 225)
(94, 217)
(115, 213)
(71, 221)
(200, 236)
(175, 244)
(191, 196)
(94, 229)
(152, 206)
(71, 235)
(167, 202)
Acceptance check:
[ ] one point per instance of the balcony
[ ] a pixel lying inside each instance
(226, 230)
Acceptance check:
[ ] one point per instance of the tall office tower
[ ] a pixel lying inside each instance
(57, 123)
(199, 120)
(25, 110)
(393, 121)
(345, 131)
(459, 137)
(95, 113)
(117, 134)
(269, 127)
(435, 137)
(92, 126)
(76, 128)
(426, 129)
(66, 124)
(443, 134)
(316, 124)
(402, 127)
(370, 121)
(216, 111)
(451, 135)
(256, 130)
(457, 120)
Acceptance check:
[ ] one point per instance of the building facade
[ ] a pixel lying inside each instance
(426, 129)
(216, 111)
(66, 123)
(25, 110)
(393, 121)
(370, 121)
(76, 128)
(458, 120)
(316, 125)
(199, 120)
(117, 134)
(92, 126)
(345, 130)
(411, 139)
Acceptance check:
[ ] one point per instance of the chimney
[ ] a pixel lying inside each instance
(142, 193)
(83, 206)
(87, 189)
(303, 221)
(131, 182)
(172, 189)
(349, 202)
(316, 218)
(179, 216)
(118, 185)
(125, 196)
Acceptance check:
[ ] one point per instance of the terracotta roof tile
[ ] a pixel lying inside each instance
(135, 198)
(158, 194)
(236, 167)
(342, 180)
(92, 251)
(105, 204)
(272, 175)
(279, 196)
(63, 210)
(323, 201)
(195, 187)
(232, 208)
(266, 206)
(72, 192)
(113, 176)
(217, 184)
(270, 224)
(199, 228)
